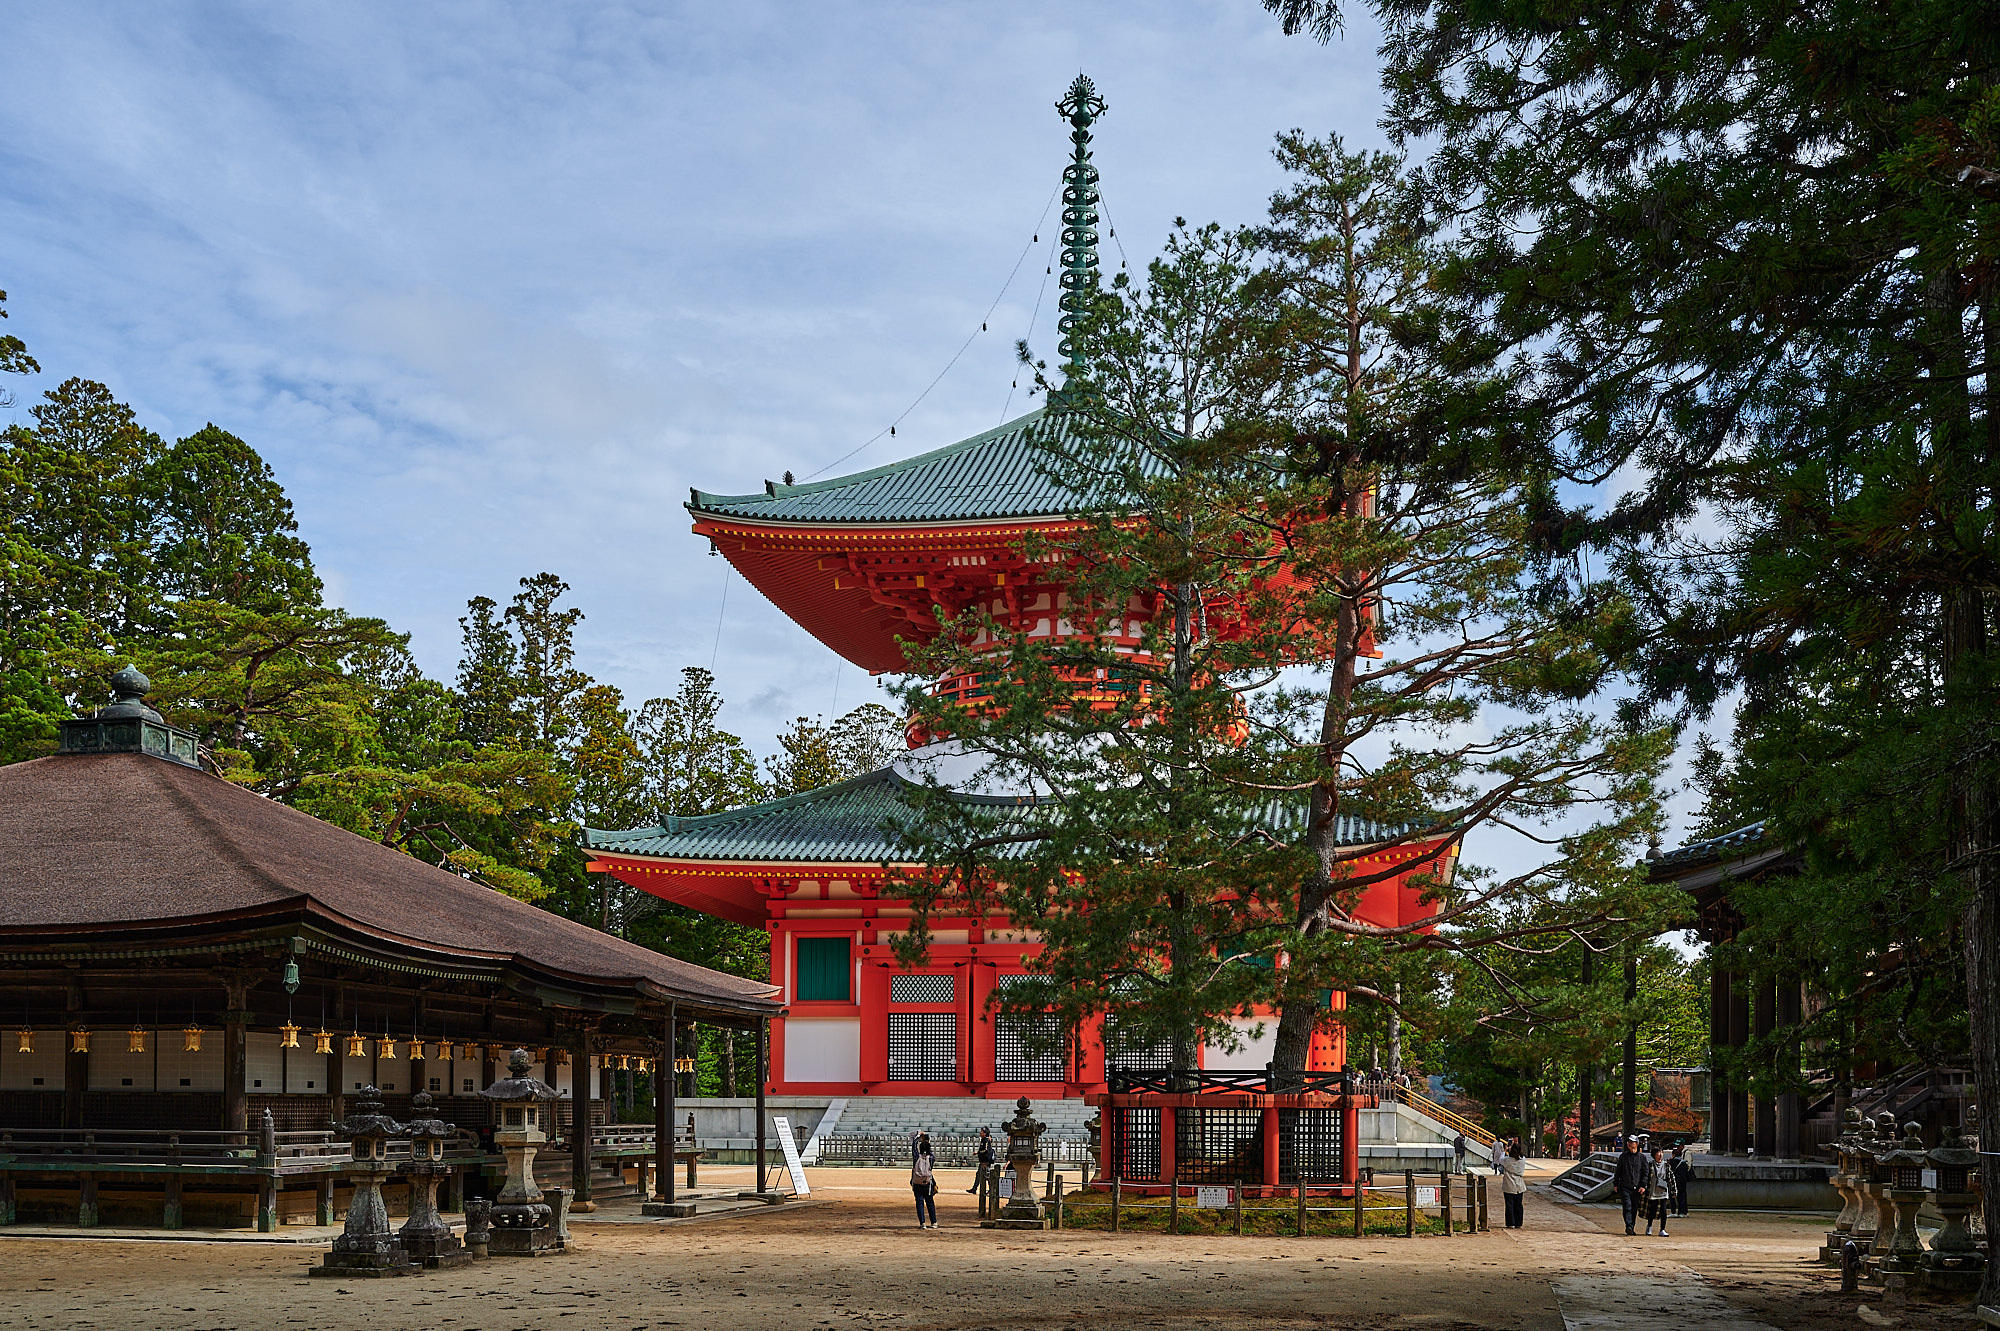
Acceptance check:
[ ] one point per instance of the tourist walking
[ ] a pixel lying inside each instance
(1458, 1149)
(1513, 1168)
(1683, 1171)
(985, 1158)
(1631, 1180)
(1659, 1192)
(923, 1179)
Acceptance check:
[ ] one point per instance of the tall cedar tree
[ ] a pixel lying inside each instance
(1747, 260)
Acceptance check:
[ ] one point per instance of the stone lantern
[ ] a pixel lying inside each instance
(425, 1235)
(1904, 1193)
(1954, 1263)
(523, 1223)
(1024, 1132)
(1877, 1219)
(1843, 1182)
(367, 1246)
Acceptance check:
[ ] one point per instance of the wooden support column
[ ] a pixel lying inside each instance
(1739, 1036)
(1273, 1164)
(1170, 1143)
(763, 1083)
(581, 1135)
(325, 1216)
(236, 1059)
(663, 1113)
(1718, 1041)
(1791, 1002)
(170, 1211)
(1764, 1134)
(76, 1080)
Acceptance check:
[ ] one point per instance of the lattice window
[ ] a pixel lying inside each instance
(1219, 1145)
(1135, 1148)
(1309, 1143)
(1127, 1052)
(1028, 1047)
(920, 989)
(923, 1046)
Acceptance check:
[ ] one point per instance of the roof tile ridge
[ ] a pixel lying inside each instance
(855, 478)
(696, 822)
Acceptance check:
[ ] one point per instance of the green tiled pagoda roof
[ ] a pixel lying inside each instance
(849, 823)
(988, 476)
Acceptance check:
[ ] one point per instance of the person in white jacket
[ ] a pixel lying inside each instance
(1513, 1170)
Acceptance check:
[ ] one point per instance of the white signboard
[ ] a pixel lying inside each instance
(1930, 1179)
(793, 1165)
(1006, 1186)
(1427, 1196)
(1211, 1199)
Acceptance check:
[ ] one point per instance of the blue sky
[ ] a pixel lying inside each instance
(492, 285)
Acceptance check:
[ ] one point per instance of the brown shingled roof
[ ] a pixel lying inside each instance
(95, 846)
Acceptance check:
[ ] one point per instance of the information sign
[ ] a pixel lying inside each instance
(1006, 1186)
(793, 1165)
(1427, 1196)
(1211, 1199)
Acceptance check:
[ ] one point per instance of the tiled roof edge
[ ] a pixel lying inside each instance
(704, 501)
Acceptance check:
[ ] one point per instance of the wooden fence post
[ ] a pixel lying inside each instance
(1409, 1204)
(1174, 1202)
(1304, 1187)
(1236, 1206)
(1114, 1203)
(1358, 1206)
(1444, 1201)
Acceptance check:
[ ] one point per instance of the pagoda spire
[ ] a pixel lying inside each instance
(1081, 106)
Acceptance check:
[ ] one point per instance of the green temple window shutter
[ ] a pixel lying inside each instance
(823, 970)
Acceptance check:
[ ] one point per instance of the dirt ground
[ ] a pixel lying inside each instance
(854, 1258)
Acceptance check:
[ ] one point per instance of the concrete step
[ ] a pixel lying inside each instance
(1589, 1180)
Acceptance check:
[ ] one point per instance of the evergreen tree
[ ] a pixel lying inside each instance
(692, 765)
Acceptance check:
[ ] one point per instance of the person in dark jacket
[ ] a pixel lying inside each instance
(1683, 1175)
(985, 1158)
(1634, 1176)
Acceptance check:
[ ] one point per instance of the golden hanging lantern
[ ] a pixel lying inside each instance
(322, 1041)
(190, 1039)
(27, 1041)
(79, 1042)
(542, 1054)
(291, 1040)
(385, 1047)
(624, 1062)
(562, 1058)
(444, 1050)
(495, 1053)
(416, 1051)
(135, 1040)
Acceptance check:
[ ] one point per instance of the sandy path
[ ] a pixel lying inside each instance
(861, 1262)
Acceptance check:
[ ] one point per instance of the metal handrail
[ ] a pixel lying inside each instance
(1431, 1109)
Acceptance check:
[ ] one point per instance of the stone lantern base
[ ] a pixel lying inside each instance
(524, 1231)
(385, 1259)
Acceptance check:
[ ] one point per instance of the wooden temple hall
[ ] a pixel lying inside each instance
(198, 980)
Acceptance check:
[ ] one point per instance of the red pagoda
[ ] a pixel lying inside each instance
(857, 562)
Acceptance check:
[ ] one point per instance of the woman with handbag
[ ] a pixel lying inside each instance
(923, 1180)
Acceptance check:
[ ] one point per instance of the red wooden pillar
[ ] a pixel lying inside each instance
(1168, 1141)
(979, 982)
(1271, 1166)
(1350, 1141)
(873, 1002)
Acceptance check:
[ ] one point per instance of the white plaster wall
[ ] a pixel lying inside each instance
(823, 1050)
(263, 1062)
(112, 1063)
(1255, 1050)
(201, 1071)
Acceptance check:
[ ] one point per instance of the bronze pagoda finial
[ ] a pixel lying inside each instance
(1082, 107)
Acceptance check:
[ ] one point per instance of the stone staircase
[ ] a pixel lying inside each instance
(1589, 1180)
